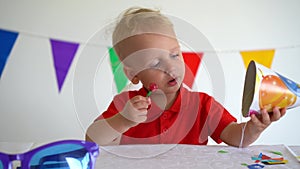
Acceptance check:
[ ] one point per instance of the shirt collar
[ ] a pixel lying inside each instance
(179, 101)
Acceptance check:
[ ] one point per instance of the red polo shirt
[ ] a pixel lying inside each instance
(192, 118)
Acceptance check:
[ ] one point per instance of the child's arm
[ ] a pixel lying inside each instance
(109, 131)
(232, 134)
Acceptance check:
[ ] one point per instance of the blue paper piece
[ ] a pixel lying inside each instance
(255, 166)
(7, 41)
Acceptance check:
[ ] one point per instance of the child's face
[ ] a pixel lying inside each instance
(153, 58)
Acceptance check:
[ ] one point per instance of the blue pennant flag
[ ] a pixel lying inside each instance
(7, 41)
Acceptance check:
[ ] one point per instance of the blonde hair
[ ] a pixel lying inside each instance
(137, 20)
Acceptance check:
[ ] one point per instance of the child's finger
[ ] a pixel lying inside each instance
(140, 102)
(283, 111)
(144, 113)
(141, 105)
(276, 114)
(265, 117)
(255, 120)
(139, 99)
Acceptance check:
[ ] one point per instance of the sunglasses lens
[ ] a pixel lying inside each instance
(1, 165)
(63, 156)
(3, 158)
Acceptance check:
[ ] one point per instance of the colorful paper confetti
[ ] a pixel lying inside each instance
(222, 151)
(268, 160)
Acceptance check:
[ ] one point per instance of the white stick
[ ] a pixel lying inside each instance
(292, 152)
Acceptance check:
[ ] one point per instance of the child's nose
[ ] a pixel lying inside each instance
(170, 68)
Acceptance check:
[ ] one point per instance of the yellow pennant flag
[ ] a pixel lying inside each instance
(264, 57)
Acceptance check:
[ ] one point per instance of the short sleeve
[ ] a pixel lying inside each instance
(217, 118)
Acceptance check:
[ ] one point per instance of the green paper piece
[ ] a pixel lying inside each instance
(244, 164)
(117, 68)
(276, 152)
(222, 151)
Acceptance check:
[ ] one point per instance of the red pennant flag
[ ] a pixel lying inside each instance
(63, 54)
(192, 63)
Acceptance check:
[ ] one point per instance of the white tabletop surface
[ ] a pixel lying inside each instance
(187, 156)
(165, 156)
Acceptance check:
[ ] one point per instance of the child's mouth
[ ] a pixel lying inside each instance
(172, 82)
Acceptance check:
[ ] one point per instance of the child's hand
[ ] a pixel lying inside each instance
(262, 121)
(135, 110)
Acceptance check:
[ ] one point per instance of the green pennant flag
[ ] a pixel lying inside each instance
(117, 68)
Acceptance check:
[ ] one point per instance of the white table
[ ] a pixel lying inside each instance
(187, 156)
(175, 156)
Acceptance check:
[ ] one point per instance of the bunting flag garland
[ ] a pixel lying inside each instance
(264, 57)
(117, 69)
(7, 41)
(64, 52)
(192, 61)
(63, 55)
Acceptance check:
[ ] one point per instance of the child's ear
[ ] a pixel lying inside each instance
(131, 75)
(135, 80)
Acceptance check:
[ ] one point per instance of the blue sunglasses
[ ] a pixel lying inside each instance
(66, 154)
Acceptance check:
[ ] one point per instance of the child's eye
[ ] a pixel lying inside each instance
(155, 63)
(174, 55)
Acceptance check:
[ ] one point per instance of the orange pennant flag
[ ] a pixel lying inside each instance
(264, 57)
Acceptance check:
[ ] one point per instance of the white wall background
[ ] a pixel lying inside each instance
(32, 109)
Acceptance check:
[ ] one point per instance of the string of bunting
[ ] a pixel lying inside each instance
(63, 53)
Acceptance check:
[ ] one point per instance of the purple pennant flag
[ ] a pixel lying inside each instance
(63, 55)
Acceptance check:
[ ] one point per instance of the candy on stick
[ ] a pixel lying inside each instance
(152, 88)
